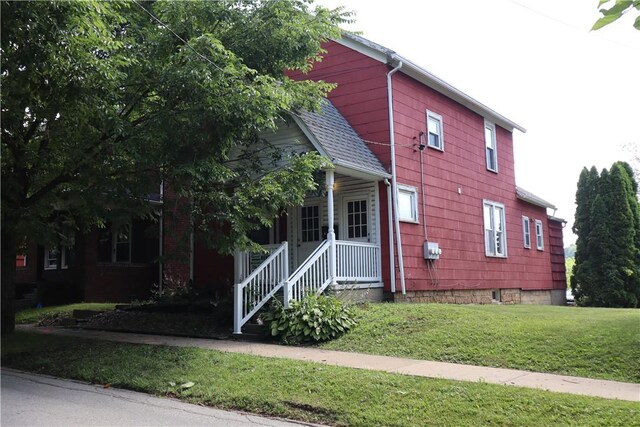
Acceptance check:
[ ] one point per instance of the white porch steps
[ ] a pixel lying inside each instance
(350, 262)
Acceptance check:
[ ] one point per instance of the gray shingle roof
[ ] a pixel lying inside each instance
(340, 142)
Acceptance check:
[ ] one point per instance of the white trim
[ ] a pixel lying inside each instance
(494, 145)
(539, 235)
(493, 205)
(438, 118)
(378, 242)
(526, 232)
(414, 203)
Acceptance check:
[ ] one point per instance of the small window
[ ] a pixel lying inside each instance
(407, 204)
(495, 241)
(435, 135)
(539, 237)
(490, 145)
(51, 259)
(526, 232)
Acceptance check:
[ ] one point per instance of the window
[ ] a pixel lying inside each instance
(53, 257)
(114, 246)
(50, 259)
(526, 232)
(495, 242)
(310, 223)
(357, 221)
(490, 144)
(407, 204)
(435, 137)
(539, 238)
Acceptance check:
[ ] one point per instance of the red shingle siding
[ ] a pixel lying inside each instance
(454, 220)
(556, 247)
(360, 95)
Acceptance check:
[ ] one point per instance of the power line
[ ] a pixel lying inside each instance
(155, 18)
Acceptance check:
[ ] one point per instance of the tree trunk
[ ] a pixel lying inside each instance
(8, 276)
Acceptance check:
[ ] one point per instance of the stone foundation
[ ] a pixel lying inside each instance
(484, 296)
(360, 294)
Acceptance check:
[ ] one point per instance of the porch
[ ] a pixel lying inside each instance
(332, 239)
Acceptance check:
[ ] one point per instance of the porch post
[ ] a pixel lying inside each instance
(331, 235)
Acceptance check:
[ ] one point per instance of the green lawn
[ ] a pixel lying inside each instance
(306, 391)
(33, 315)
(589, 342)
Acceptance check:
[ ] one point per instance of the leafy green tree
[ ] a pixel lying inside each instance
(103, 100)
(607, 270)
(613, 13)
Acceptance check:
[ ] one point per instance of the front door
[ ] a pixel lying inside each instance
(356, 218)
(309, 230)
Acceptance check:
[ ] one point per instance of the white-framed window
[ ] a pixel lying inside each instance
(526, 232)
(51, 258)
(490, 146)
(115, 245)
(407, 203)
(495, 233)
(55, 256)
(435, 133)
(539, 236)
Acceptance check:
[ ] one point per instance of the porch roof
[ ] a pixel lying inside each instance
(334, 137)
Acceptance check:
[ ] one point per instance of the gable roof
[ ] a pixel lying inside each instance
(388, 56)
(334, 137)
(529, 197)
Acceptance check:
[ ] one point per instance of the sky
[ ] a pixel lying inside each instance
(576, 91)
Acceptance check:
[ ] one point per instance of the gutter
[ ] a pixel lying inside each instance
(394, 182)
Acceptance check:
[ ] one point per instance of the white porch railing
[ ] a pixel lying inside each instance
(357, 262)
(260, 285)
(313, 276)
(246, 262)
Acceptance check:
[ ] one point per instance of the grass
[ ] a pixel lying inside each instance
(306, 391)
(34, 315)
(588, 342)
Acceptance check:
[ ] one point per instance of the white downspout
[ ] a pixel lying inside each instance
(394, 182)
(161, 240)
(392, 263)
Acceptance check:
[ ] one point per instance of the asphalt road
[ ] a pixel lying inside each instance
(36, 400)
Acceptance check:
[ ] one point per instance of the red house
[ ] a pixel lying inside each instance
(420, 201)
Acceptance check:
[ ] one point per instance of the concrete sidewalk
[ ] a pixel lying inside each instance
(396, 365)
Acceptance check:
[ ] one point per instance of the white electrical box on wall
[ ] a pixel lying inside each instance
(432, 250)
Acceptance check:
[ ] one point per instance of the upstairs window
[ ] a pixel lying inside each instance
(526, 232)
(539, 237)
(490, 146)
(435, 137)
(495, 241)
